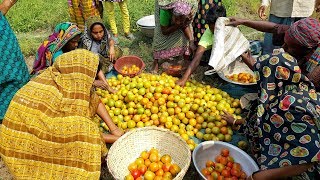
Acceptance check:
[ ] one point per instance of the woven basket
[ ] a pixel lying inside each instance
(129, 61)
(129, 147)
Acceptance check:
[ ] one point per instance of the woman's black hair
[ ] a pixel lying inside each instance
(214, 13)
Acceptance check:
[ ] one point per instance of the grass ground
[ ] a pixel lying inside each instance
(34, 20)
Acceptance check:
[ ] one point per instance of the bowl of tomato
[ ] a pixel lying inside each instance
(215, 158)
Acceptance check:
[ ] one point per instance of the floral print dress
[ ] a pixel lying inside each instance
(284, 128)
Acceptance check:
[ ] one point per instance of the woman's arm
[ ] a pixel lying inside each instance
(281, 173)
(263, 26)
(114, 130)
(111, 50)
(103, 83)
(248, 59)
(188, 33)
(6, 5)
(194, 64)
(166, 30)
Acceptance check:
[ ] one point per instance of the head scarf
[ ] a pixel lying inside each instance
(62, 34)
(179, 7)
(306, 33)
(87, 38)
(50, 121)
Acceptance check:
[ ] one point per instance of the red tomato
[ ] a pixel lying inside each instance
(217, 159)
(166, 167)
(223, 160)
(142, 168)
(209, 163)
(230, 164)
(225, 173)
(209, 177)
(236, 166)
(220, 178)
(225, 152)
(135, 173)
(235, 172)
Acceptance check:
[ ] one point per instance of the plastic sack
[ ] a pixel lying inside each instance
(229, 43)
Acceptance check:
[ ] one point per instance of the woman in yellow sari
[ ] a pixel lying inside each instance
(48, 131)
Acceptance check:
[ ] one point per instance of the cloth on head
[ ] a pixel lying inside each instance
(179, 7)
(229, 43)
(48, 131)
(62, 34)
(13, 69)
(87, 39)
(306, 32)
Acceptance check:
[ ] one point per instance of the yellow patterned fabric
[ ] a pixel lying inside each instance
(48, 131)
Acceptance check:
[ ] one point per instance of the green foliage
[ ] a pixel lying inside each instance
(34, 20)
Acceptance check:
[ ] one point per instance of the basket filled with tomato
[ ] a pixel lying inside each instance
(129, 65)
(147, 153)
(213, 159)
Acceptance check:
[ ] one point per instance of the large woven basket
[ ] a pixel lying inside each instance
(128, 147)
(129, 61)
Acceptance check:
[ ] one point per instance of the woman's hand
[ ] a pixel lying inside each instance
(112, 55)
(248, 59)
(110, 89)
(117, 132)
(103, 85)
(235, 21)
(228, 117)
(6, 5)
(181, 82)
(192, 46)
(262, 12)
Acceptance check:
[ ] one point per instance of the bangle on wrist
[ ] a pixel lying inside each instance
(234, 122)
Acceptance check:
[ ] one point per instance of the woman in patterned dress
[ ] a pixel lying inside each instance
(13, 69)
(199, 23)
(172, 35)
(284, 127)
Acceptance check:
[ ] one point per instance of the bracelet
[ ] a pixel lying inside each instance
(234, 122)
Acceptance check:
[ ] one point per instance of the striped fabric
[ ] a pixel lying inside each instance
(48, 131)
(80, 10)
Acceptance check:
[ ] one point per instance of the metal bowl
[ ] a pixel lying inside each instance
(209, 149)
(236, 67)
(147, 25)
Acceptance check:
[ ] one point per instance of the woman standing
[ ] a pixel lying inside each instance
(13, 69)
(199, 23)
(123, 4)
(80, 10)
(172, 35)
(48, 131)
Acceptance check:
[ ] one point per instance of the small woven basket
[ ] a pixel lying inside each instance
(129, 61)
(129, 147)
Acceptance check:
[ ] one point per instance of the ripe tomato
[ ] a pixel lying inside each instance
(154, 167)
(223, 160)
(142, 168)
(225, 152)
(236, 166)
(166, 167)
(166, 158)
(209, 177)
(209, 163)
(225, 173)
(230, 164)
(132, 166)
(160, 172)
(217, 159)
(235, 172)
(135, 173)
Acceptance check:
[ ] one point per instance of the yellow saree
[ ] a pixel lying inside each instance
(48, 131)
